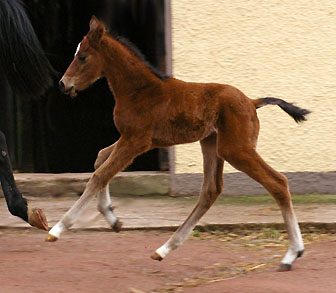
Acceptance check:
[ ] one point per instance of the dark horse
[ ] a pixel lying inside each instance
(152, 111)
(29, 73)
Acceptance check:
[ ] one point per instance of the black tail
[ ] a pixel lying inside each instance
(22, 60)
(297, 113)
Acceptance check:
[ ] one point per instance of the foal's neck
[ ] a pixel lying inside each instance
(125, 72)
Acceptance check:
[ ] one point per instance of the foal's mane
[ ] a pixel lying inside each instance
(137, 53)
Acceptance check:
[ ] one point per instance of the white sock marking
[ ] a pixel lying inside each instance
(163, 250)
(57, 230)
(296, 243)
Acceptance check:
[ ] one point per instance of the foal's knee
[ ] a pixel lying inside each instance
(100, 159)
(102, 156)
(97, 163)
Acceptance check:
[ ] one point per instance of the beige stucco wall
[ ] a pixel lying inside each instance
(284, 49)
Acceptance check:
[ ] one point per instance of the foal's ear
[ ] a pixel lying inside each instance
(97, 29)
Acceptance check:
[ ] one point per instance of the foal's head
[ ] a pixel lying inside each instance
(87, 65)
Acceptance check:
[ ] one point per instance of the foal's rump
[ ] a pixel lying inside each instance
(22, 59)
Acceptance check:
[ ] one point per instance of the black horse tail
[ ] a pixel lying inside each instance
(297, 113)
(22, 60)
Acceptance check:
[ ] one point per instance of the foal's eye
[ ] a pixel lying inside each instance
(81, 58)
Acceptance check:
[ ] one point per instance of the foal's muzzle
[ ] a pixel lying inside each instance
(64, 89)
(61, 86)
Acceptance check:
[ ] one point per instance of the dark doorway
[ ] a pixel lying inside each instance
(62, 134)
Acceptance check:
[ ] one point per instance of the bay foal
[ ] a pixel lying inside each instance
(153, 111)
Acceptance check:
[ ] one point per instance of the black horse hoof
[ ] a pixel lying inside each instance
(285, 267)
(117, 226)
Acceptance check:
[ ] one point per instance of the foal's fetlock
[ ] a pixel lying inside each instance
(103, 209)
(111, 208)
(300, 253)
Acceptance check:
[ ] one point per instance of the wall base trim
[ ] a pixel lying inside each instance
(236, 184)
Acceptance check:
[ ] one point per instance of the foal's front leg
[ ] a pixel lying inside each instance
(105, 207)
(103, 155)
(124, 151)
(104, 198)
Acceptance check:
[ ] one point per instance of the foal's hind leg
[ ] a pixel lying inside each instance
(248, 160)
(211, 189)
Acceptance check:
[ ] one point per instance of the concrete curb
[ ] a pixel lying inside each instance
(162, 183)
(73, 184)
(238, 183)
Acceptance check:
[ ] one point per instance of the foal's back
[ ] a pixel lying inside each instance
(190, 111)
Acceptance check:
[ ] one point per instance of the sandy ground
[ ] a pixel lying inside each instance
(207, 262)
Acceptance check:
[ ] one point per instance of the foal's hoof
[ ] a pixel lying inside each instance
(37, 218)
(51, 238)
(285, 267)
(117, 226)
(156, 256)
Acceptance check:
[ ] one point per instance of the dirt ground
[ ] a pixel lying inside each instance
(207, 262)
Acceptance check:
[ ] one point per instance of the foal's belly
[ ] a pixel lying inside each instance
(180, 135)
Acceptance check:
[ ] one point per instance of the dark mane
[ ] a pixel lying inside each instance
(129, 45)
(22, 60)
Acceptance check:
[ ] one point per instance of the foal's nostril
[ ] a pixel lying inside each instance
(61, 86)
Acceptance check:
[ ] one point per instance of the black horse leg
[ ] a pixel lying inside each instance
(16, 203)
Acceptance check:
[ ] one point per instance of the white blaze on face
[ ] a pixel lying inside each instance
(78, 47)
